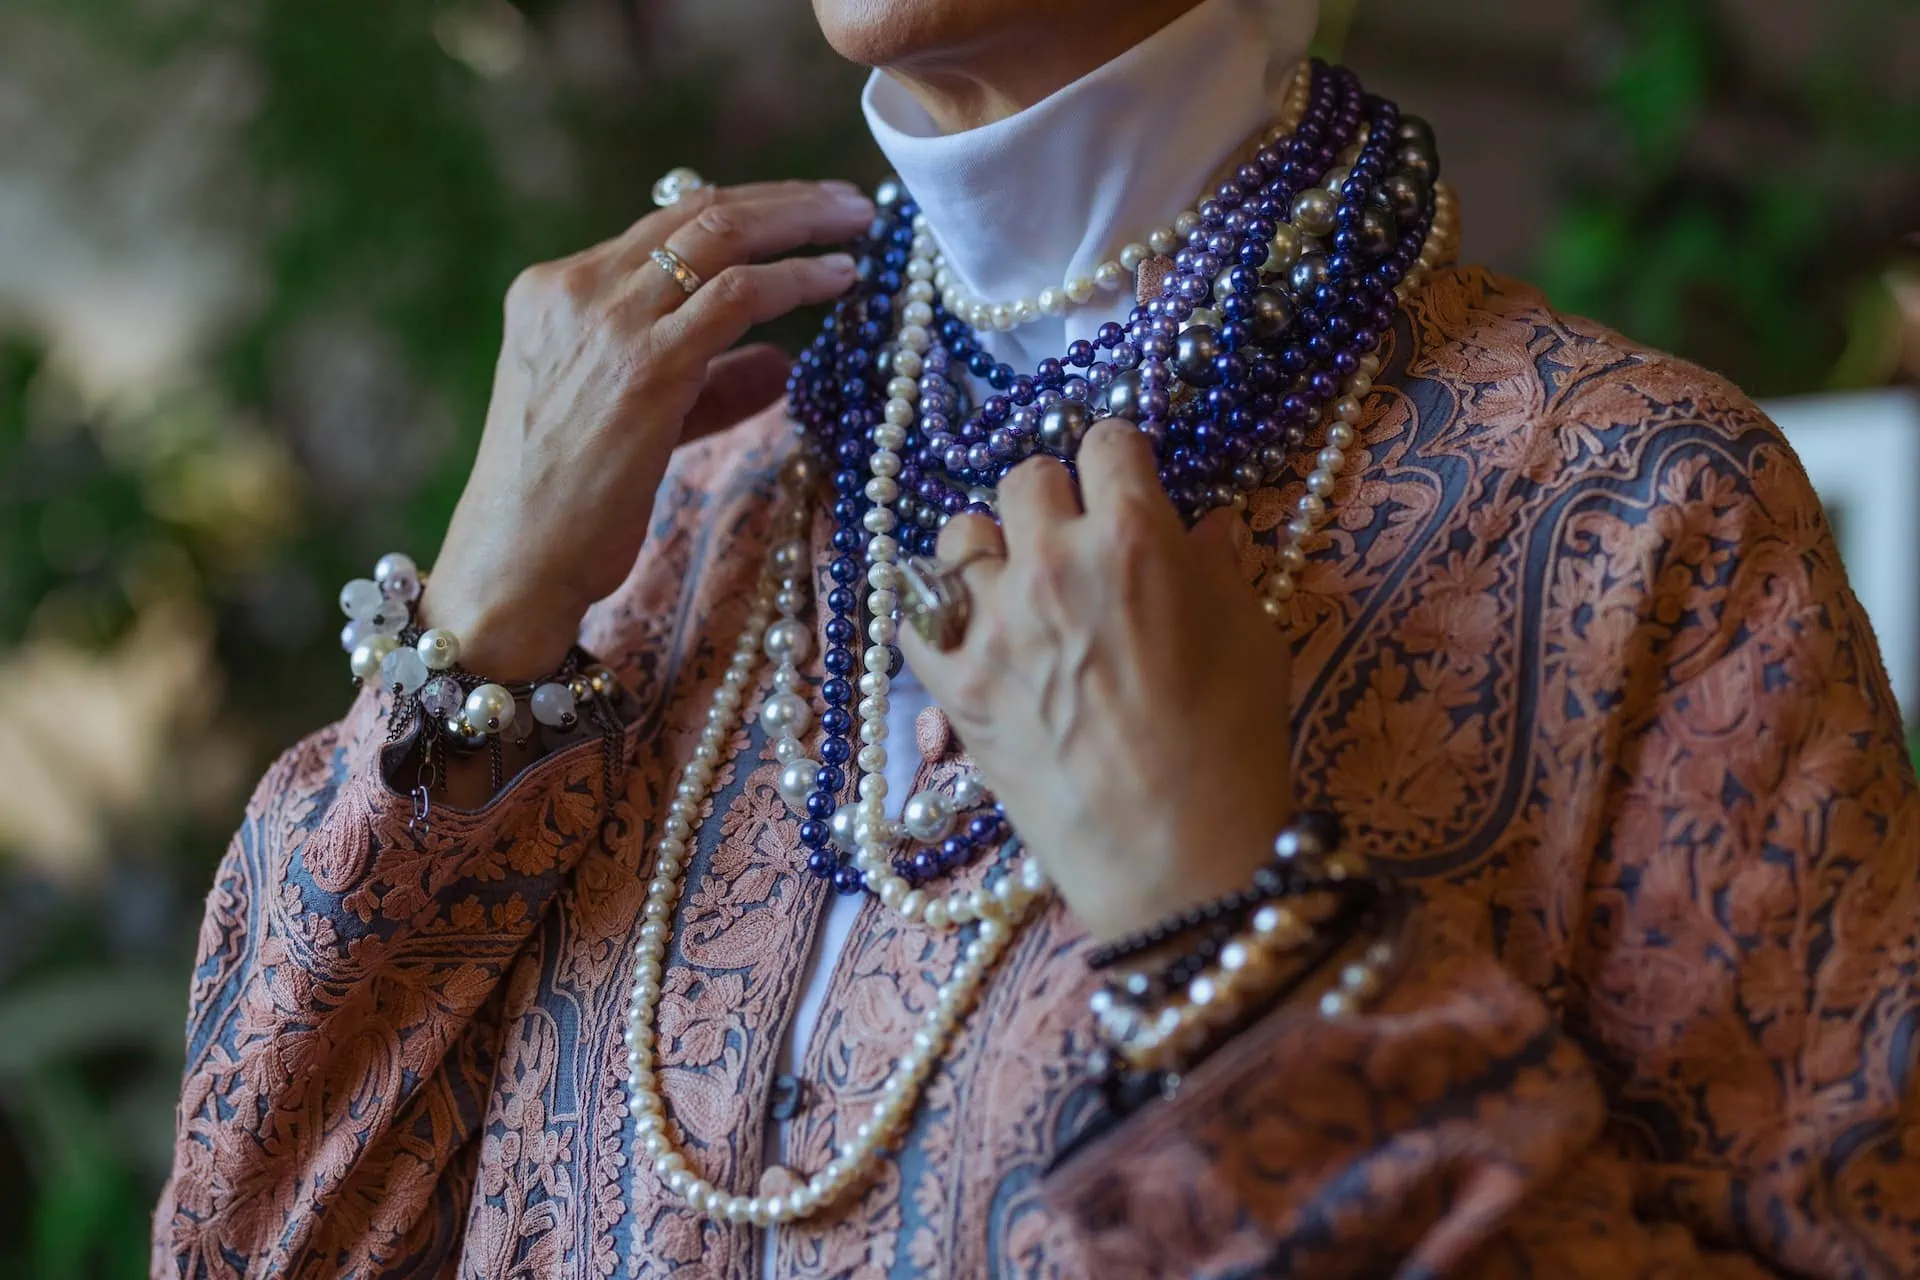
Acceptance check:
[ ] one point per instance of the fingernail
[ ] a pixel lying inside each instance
(838, 263)
(840, 184)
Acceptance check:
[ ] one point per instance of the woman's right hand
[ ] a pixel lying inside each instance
(606, 365)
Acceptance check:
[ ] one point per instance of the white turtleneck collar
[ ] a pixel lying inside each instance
(1047, 194)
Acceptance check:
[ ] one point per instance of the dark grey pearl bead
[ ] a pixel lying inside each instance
(1193, 355)
(1376, 232)
(1219, 495)
(1309, 273)
(1223, 284)
(1123, 395)
(1246, 476)
(883, 363)
(467, 741)
(1062, 428)
(1416, 130)
(1272, 458)
(888, 193)
(1314, 211)
(1406, 195)
(1271, 312)
(1419, 161)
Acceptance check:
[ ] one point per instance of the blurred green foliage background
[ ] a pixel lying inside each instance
(188, 468)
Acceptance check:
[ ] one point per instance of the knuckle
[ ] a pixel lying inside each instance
(1126, 533)
(720, 222)
(530, 285)
(734, 289)
(1050, 571)
(977, 667)
(1113, 434)
(960, 532)
(1030, 473)
(578, 281)
(1129, 526)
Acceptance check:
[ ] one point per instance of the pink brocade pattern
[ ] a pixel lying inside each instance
(1578, 661)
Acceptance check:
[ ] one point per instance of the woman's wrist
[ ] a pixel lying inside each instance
(509, 639)
(1178, 986)
(1209, 860)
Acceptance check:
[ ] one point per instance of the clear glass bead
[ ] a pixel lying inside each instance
(403, 671)
(442, 696)
(361, 598)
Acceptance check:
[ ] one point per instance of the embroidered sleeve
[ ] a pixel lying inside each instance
(344, 1011)
(1715, 1075)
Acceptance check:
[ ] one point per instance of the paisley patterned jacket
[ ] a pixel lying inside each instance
(1578, 661)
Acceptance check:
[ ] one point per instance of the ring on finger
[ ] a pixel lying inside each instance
(676, 266)
(937, 603)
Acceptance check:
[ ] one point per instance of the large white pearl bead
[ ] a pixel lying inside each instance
(788, 641)
(439, 648)
(785, 715)
(968, 791)
(797, 781)
(553, 706)
(842, 825)
(371, 653)
(361, 598)
(490, 708)
(927, 816)
(788, 559)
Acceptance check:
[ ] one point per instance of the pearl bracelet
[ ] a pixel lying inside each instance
(1307, 906)
(456, 709)
(377, 639)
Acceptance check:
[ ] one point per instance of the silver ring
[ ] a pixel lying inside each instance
(674, 184)
(676, 266)
(936, 602)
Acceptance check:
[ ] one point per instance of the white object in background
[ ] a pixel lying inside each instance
(1862, 451)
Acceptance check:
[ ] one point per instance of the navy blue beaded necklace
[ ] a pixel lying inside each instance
(1226, 392)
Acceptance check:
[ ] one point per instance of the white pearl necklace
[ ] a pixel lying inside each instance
(1000, 910)
(855, 1158)
(871, 834)
(1110, 276)
(1314, 506)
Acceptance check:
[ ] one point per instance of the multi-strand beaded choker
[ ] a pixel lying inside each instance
(1251, 360)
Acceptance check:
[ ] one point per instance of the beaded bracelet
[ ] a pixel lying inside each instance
(457, 710)
(1306, 909)
(1305, 852)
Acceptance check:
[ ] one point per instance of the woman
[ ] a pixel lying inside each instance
(1548, 622)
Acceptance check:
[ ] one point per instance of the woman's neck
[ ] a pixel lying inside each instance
(1048, 192)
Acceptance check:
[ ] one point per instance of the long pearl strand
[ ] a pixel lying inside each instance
(998, 909)
(1011, 893)
(854, 1158)
(1115, 274)
(1342, 417)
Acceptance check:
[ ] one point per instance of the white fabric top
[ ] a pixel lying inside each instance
(1046, 194)
(1049, 193)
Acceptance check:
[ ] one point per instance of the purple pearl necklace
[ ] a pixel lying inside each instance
(1301, 260)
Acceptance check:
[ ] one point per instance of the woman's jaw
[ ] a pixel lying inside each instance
(972, 62)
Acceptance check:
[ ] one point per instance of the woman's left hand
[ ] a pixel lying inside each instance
(1119, 687)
